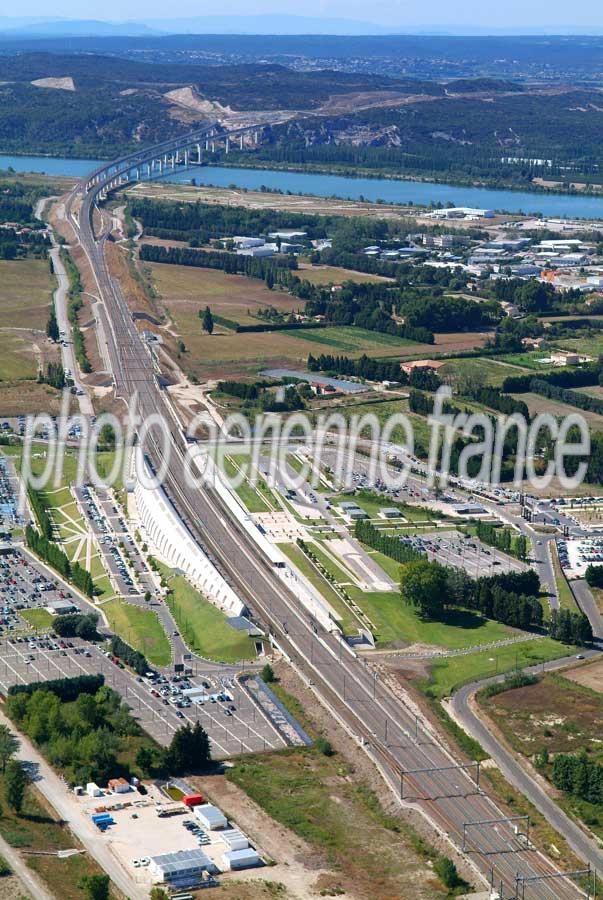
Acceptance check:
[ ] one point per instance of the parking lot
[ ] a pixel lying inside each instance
(26, 585)
(453, 548)
(112, 554)
(233, 721)
(9, 517)
(576, 555)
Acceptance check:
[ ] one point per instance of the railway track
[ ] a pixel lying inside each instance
(409, 755)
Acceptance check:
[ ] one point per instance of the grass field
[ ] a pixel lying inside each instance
(564, 591)
(594, 391)
(591, 345)
(372, 503)
(558, 715)
(448, 674)
(346, 617)
(397, 623)
(383, 410)
(24, 306)
(373, 853)
(39, 619)
(185, 290)
(246, 492)
(22, 398)
(140, 628)
(529, 360)
(203, 626)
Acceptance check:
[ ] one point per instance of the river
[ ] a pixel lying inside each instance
(421, 193)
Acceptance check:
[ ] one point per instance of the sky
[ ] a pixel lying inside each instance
(394, 14)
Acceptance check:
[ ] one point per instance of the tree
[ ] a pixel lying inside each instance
(324, 746)
(9, 745)
(15, 782)
(208, 321)
(95, 887)
(52, 327)
(145, 759)
(446, 871)
(157, 893)
(423, 585)
(182, 347)
(189, 750)
(106, 438)
(267, 674)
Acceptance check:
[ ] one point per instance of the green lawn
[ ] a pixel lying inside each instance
(104, 464)
(397, 622)
(203, 626)
(372, 503)
(40, 619)
(449, 674)
(348, 621)
(336, 569)
(140, 628)
(247, 494)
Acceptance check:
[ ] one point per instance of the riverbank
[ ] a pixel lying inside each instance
(380, 191)
(537, 186)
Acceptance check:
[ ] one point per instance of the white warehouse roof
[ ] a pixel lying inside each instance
(211, 816)
(240, 859)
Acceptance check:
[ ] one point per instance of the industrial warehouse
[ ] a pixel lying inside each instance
(180, 843)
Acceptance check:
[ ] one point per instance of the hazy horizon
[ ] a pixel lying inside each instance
(387, 16)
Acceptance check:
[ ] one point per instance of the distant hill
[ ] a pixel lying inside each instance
(267, 24)
(23, 28)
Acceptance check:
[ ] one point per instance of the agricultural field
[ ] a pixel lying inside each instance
(335, 275)
(593, 391)
(537, 404)
(185, 290)
(590, 344)
(485, 372)
(22, 398)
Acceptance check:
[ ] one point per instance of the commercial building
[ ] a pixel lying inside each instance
(61, 607)
(246, 243)
(261, 252)
(389, 512)
(118, 786)
(183, 867)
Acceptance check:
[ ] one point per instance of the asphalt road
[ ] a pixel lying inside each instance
(514, 771)
(67, 352)
(586, 602)
(404, 747)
